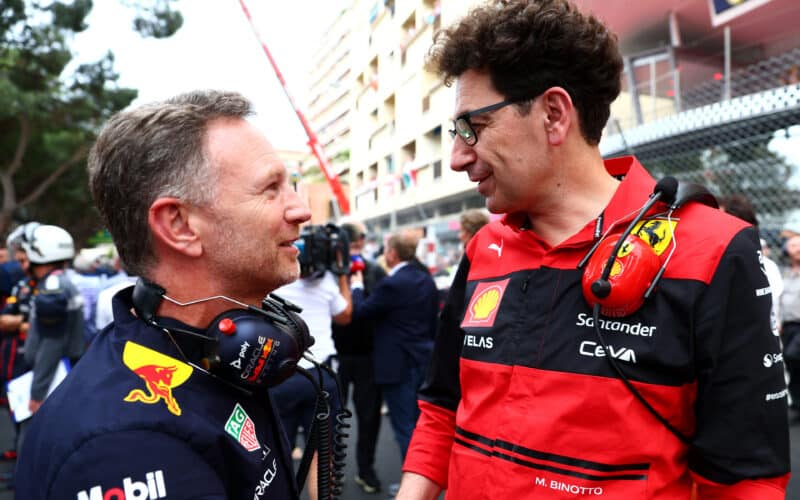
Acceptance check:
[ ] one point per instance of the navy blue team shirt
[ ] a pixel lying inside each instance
(133, 420)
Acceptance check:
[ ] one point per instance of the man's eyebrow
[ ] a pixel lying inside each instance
(460, 113)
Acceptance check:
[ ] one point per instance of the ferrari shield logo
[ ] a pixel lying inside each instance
(655, 232)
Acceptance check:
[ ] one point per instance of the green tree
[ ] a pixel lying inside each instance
(49, 119)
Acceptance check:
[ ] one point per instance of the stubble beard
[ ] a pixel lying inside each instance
(246, 267)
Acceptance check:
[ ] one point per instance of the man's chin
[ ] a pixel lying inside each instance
(290, 275)
(495, 206)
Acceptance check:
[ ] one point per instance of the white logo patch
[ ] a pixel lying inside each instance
(496, 248)
(595, 350)
(772, 396)
(52, 283)
(152, 488)
(771, 359)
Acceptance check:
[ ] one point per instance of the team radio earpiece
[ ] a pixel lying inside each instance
(254, 347)
(623, 271)
(250, 347)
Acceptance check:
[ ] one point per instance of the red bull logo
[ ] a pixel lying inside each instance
(160, 373)
(262, 359)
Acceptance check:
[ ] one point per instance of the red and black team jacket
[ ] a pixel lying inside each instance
(521, 401)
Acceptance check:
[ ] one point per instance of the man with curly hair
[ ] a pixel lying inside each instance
(532, 392)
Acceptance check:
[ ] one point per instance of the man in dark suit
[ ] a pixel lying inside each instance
(404, 306)
(354, 350)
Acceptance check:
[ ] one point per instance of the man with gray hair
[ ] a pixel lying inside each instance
(200, 207)
(354, 343)
(404, 306)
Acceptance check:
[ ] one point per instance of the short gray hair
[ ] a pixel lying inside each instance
(404, 242)
(153, 151)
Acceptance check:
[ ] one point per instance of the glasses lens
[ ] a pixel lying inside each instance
(452, 132)
(465, 131)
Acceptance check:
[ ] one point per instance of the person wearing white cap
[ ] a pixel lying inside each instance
(56, 316)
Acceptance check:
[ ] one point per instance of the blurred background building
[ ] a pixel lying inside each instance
(711, 94)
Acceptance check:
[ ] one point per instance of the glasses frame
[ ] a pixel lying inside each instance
(462, 126)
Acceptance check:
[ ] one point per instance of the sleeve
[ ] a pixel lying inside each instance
(135, 464)
(338, 303)
(429, 451)
(45, 362)
(10, 273)
(373, 275)
(10, 308)
(741, 443)
(51, 303)
(11, 305)
(380, 300)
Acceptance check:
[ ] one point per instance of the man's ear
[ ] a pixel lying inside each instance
(559, 112)
(172, 226)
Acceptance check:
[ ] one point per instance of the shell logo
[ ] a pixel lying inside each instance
(484, 304)
(616, 268)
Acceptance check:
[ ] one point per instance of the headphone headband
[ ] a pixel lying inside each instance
(247, 348)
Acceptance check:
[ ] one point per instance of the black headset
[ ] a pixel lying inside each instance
(248, 347)
(621, 273)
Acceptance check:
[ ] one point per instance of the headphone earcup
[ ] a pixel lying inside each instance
(255, 351)
(632, 272)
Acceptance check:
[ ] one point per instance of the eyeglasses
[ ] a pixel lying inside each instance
(463, 126)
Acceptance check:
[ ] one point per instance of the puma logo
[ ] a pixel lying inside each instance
(496, 248)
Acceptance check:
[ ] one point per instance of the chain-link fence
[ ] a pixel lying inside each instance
(736, 135)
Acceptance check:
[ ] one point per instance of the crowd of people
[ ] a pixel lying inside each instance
(607, 335)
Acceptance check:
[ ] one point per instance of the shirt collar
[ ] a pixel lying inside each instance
(631, 194)
(193, 348)
(636, 186)
(396, 268)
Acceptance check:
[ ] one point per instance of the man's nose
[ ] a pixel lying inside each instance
(461, 155)
(297, 212)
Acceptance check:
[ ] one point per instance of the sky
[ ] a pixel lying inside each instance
(216, 48)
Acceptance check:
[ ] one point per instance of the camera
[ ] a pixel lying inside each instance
(323, 248)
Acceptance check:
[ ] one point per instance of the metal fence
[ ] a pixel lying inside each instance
(743, 137)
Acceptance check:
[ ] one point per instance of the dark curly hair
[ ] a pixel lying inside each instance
(528, 46)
